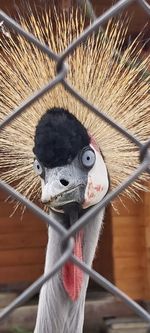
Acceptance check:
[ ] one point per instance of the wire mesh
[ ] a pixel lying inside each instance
(144, 156)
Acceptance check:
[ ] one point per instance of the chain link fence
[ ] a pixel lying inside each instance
(67, 236)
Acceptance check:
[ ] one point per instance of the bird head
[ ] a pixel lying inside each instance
(69, 162)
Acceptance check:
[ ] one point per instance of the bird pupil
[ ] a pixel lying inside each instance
(88, 158)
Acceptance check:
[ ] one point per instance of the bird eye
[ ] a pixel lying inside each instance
(87, 157)
(38, 168)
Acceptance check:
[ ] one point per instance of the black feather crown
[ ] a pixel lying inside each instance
(59, 137)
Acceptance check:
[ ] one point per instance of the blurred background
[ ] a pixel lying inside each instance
(123, 255)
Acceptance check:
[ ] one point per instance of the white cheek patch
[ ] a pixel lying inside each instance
(98, 183)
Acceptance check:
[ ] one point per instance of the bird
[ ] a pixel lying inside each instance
(72, 170)
(61, 155)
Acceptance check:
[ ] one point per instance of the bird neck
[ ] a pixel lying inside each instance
(57, 313)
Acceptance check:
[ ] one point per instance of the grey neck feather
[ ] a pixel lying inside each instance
(56, 312)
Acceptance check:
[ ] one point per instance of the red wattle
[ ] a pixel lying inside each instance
(72, 275)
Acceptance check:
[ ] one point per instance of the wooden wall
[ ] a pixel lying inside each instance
(131, 245)
(146, 235)
(22, 247)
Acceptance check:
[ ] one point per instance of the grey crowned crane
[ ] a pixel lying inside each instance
(72, 170)
(76, 154)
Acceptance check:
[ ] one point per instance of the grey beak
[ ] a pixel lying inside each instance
(74, 195)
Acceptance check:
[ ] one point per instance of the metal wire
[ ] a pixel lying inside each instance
(144, 157)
